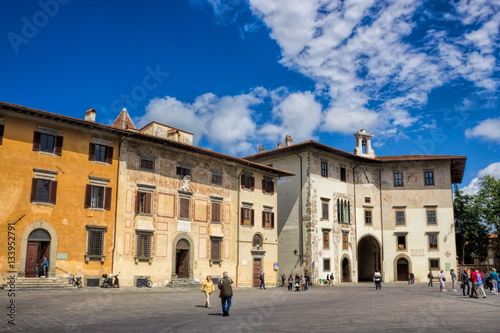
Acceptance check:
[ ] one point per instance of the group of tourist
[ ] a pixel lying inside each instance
(473, 282)
(300, 283)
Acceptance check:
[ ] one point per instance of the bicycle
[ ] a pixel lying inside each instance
(144, 282)
(75, 282)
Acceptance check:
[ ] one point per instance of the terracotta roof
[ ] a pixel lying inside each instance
(138, 135)
(123, 121)
(457, 162)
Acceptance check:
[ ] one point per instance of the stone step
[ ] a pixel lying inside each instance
(40, 283)
(184, 283)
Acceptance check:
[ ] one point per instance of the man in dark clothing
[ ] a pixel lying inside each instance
(430, 277)
(283, 279)
(308, 280)
(226, 293)
(262, 282)
(465, 282)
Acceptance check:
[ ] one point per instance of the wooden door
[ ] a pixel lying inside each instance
(31, 259)
(402, 270)
(256, 272)
(182, 263)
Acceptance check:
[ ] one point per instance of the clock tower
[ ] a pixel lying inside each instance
(363, 144)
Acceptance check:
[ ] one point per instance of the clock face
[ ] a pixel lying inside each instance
(366, 178)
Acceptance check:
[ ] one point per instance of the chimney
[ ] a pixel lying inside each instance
(90, 115)
(261, 148)
(288, 140)
(280, 145)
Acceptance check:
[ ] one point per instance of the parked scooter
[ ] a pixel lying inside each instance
(110, 282)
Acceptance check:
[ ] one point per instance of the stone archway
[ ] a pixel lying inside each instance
(38, 247)
(368, 258)
(402, 267)
(46, 242)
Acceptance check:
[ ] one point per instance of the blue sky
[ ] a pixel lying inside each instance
(422, 76)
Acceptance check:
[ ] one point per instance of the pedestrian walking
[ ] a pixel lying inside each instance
(473, 281)
(442, 280)
(411, 278)
(327, 279)
(283, 279)
(331, 279)
(207, 287)
(226, 293)
(465, 282)
(45, 266)
(494, 280)
(453, 280)
(377, 278)
(480, 284)
(430, 277)
(290, 283)
(262, 282)
(302, 283)
(308, 280)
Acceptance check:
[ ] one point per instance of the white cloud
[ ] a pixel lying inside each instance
(491, 170)
(488, 130)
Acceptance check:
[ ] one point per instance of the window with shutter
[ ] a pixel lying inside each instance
(326, 239)
(184, 209)
(216, 212)
(247, 181)
(98, 197)
(267, 219)
(143, 203)
(43, 190)
(215, 248)
(267, 185)
(100, 153)
(144, 244)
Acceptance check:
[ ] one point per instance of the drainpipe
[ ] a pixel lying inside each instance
(301, 227)
(238, 225)
(381, 221)
(355, 216)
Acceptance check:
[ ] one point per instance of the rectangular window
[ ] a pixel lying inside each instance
(184, 208)
(144, 244)
(216, 212)
(217, 178)
(43, 190)
(180, 171)
(368, 200)
(398, 179)
(400, 217)
(267, 219)
(324, 169)
(434, 264)
(326, 239)
(247, 181)
(433, 242)
(368, 216)
(429, 177)
(326, 265)
(47, 143)
(100, 153)
(215, 248)
(345, 241)
(267, 185)
(1, 133)
(95, 243)
(401, 242)
(343, 175)
(431, 216)
(147, 164)
(324, 210)
(247, 216)
(143, 202)
(98, 197)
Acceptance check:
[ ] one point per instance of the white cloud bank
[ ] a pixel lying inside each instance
(374, 62)
(491, 170)
(488, 130)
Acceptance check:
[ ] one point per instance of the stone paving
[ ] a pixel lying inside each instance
(398, 307)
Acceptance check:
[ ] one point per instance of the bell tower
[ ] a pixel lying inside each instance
(363, 144)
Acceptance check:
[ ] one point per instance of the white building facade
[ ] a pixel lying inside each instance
(351, 214)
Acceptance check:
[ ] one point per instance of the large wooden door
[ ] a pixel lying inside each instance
(402, 270)
(31, 259)
(182, 263)
(256, 272)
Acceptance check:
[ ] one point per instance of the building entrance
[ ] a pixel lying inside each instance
(182, 258)
(256, 272)
(368, 258)
(346, 270)
(403, 271)
(38, 247)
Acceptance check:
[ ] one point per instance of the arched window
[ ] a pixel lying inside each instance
(257, 241)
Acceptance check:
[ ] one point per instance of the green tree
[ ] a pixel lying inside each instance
(471, 232)
(489, 204)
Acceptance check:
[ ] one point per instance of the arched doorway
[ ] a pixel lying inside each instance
(38, 246)
(403, 269)
(182, 258)
(346, 270)
(368, 258)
